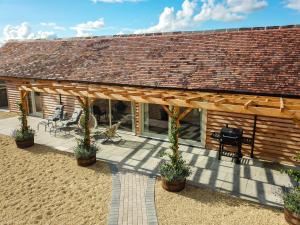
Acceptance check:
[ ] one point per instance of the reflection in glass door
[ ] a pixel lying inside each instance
(35, 104)
(156, 121)
(190, 130)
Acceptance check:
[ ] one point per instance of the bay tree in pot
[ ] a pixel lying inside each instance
(174, 170)
(85, 151)
(24, 136)
(292, 198)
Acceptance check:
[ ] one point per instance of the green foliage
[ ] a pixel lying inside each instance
(24, 132)
(292, 201)
(175, 168)
(174, 133)
(85, 149)
(21, 135)
(81, 151)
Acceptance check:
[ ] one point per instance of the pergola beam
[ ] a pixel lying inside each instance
(235, 103)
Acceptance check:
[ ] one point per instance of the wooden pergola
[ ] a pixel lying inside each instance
(236, 103)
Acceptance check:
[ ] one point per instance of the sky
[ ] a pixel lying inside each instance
(49, 19)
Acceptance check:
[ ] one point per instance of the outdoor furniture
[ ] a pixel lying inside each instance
(66, 125)
(111, 132)
(57, 116)
(233, 137)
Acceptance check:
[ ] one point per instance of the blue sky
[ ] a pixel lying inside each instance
(26, 19)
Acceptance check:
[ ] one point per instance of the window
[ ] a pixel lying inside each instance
(3, 96)
(109, 112)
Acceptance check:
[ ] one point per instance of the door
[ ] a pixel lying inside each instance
(3, 96)
(35, 104)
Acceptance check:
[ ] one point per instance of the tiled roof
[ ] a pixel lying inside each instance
(250, 60)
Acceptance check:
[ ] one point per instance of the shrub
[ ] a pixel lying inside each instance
(24, 132)
(81, 151)
(21, 135)
(175, 169)
(292, 201)
(292, 198)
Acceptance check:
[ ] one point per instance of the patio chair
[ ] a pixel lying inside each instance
(67, 124)
(111, 132)
(57, 116)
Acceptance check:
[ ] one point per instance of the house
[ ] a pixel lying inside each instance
(247, 77)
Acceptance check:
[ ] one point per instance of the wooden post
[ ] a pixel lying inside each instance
(86, 122)
(84, 103)
(23, 109)
(175, 126)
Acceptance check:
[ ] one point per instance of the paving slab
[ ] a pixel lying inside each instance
(250, 180)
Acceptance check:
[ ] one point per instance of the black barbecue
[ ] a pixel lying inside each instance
(233, 137)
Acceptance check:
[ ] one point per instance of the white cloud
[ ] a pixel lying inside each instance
(228, 11)
(187, 17)
(246, 6)
(170, 21)
(115, 1)
(293, 4)
(23, 32)
(84, 29)
(53, 26)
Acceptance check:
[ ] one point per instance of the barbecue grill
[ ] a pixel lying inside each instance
(233, 137)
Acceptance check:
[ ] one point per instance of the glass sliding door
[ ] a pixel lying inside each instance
(123, 111)
(3, 96)
(100, 110)
(109, 112)
(35, 104)
(190, 130)
(156, 121)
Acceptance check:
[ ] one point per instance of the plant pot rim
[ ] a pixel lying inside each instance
(179, 180)
(28, 139)
(80, 158)
(290, 212)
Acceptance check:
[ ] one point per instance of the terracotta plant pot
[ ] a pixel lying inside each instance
(86, 162)
(26, 143)
(174, 186)
(291, 218)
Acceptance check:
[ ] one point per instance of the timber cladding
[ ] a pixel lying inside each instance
(49, 101)
(276, 139)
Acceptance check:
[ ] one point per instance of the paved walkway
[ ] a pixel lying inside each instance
(132, 199)
(252, 180)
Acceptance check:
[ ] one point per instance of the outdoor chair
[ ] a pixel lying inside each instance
(57, 116)
(66, 125)
(111, 132)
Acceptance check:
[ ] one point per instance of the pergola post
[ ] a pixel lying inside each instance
(84, 103)
(24, 110)
(176, 116)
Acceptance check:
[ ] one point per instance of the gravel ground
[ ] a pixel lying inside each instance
(43, 186)
(197, 206)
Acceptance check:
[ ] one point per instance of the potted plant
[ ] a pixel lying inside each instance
(292, 198)
(85, 155)
(174, 170)
(24, 136)
(85, 151)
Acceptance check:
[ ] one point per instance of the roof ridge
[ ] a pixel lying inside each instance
(224, 30)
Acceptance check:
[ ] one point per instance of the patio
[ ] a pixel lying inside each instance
(250, 180)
